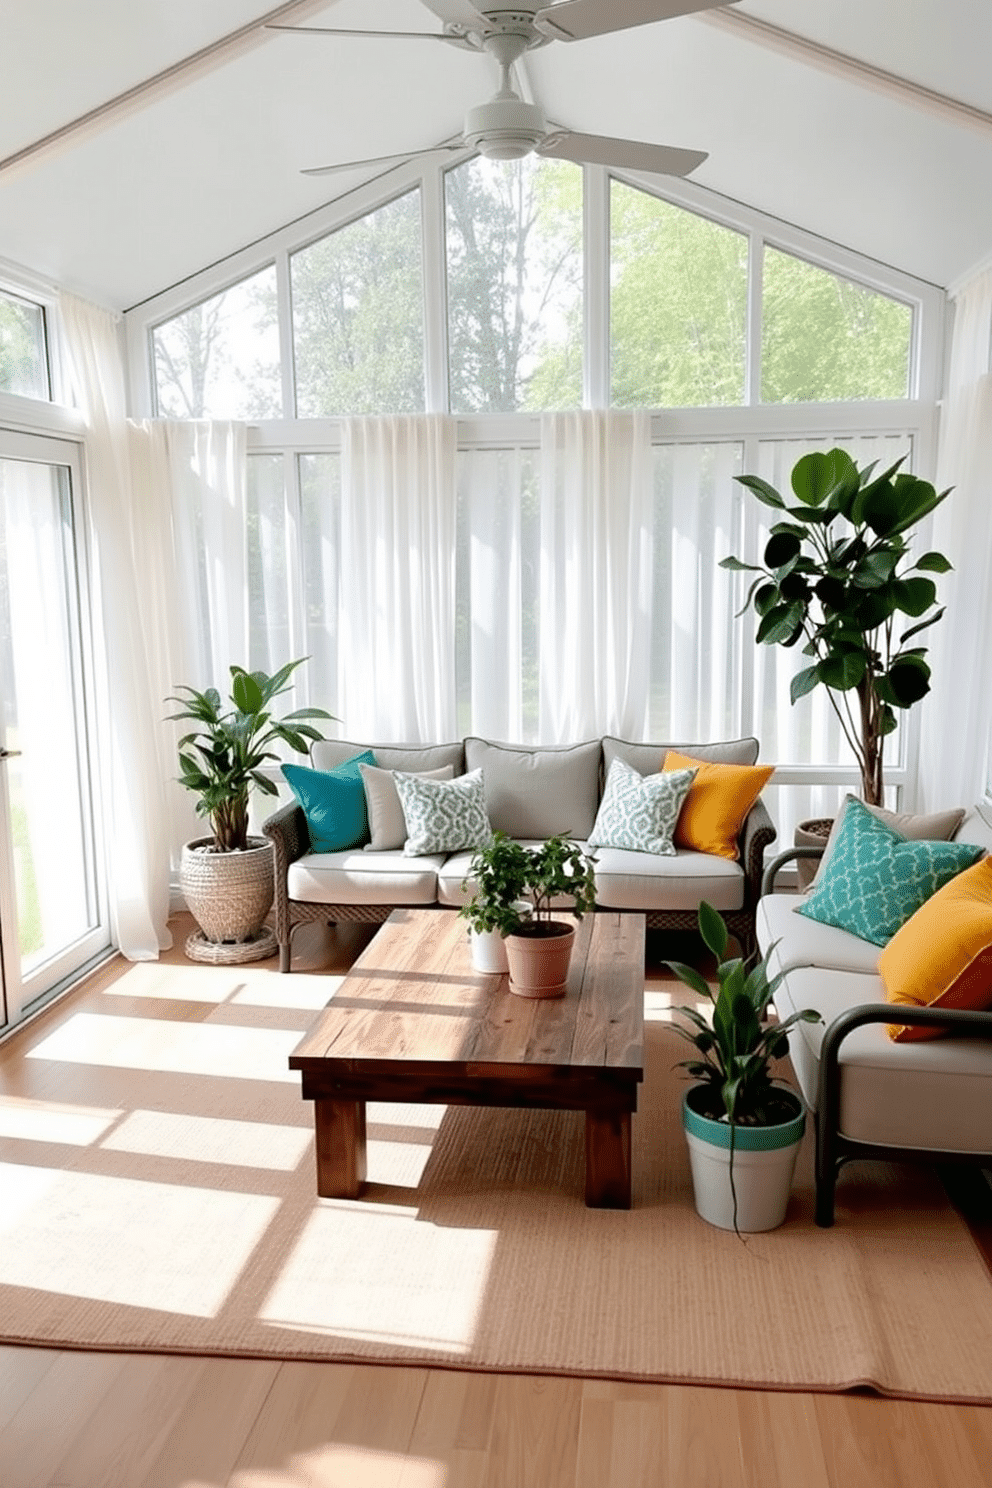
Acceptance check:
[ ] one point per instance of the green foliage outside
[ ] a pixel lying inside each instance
(358, 316)
(678, 305)
(23, 359)
(30, 932)
(825, 339)
(514, 261)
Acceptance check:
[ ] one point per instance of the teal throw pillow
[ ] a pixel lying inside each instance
(876, 879)
(638, 811)
(333, 803)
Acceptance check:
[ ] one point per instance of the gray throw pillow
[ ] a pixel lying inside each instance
(387, 823)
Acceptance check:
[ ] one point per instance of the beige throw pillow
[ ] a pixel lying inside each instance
(387, 823)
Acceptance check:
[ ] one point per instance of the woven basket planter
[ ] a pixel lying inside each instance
(228, 893)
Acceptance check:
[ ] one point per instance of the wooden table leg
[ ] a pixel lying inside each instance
(608, 1168)
(339, 1129)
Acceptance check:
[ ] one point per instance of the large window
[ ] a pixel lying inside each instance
(678, 305)
(23, 348)
(826, 339)
(514, 251)
(220, 359)
(358, 316)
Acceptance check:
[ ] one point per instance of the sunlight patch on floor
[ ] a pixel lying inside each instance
(50, 1121)
(242, 1144)
(165, 1247)
(335, 1466)
(223, 1049)
(238, 985)
(370, 1271)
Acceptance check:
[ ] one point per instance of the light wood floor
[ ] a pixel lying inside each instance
(89, 1420)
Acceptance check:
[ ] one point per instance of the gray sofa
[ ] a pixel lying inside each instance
(872, 1097)
(531, 793)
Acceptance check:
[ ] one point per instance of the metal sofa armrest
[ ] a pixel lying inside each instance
(779, 861)
(833, 1149)
(757, 833)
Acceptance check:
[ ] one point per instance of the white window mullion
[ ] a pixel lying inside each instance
(596, 220)
(435, 294)
(287, 359)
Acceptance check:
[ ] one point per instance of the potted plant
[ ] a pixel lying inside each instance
(515, 889)
(743, 1126)
(227, 878)
(499, 875)
(837, 575)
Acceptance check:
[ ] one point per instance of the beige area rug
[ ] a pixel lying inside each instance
(178, 1212)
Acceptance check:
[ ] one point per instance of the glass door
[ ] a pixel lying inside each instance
(52, 917)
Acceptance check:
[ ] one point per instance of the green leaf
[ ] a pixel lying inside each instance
(779, 625)
(736, 566)
(816, 475)
(913, 596)
(842, 672)
(781, 549)
(761, 489)
(909, 679)
(246, 692)
(804, 682)
(934, 563)
(923, 625)
(691, 977)
(712, 929)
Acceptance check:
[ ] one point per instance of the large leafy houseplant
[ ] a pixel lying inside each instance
(837, 575)
(737, 1043)
(223, 757)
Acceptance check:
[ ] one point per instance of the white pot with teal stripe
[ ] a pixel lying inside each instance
(764, 1160)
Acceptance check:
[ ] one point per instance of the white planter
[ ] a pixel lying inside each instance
(488, 951)
(764, 1163)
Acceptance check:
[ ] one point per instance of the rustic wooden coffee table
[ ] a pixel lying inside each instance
(413, 1022)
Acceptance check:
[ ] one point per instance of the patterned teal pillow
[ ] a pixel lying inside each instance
(640, 811)
(876, 879)
(333, 803)
(443, 815)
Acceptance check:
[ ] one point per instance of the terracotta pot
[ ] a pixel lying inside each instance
(539, 959)
(811, 833)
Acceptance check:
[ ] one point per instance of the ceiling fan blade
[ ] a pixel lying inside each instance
(460, 13)
(600, 149)
(450, 38)
(574, 20)
(344, 165)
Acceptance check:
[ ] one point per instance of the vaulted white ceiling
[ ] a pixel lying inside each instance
(888, 152)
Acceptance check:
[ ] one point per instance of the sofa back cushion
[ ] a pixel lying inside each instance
(647, 759)
(538, 792)
(326, 753)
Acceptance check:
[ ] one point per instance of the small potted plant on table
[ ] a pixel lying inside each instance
(515, 890)
(743, 1126)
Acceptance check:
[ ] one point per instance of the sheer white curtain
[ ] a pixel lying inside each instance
(397, 579)
(190, 551)
(131, 633)
(957, 716)
(595, 574)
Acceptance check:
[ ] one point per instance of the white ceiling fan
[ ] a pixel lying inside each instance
(506, 127)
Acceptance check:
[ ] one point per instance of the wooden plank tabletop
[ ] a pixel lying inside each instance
(413, 998)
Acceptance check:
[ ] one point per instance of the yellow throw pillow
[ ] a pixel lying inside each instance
(719, 799)
(942, 956)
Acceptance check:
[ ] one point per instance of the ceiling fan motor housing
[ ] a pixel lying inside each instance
(505, 128)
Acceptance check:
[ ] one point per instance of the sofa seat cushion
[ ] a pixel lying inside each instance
(358, 877)
(641, 881)
(935, 1095)
(805, 942)
(538, 792)
(457, 870)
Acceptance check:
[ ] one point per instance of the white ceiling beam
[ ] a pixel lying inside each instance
(235, 43)
(839, 64)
